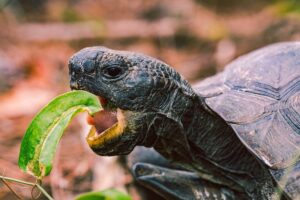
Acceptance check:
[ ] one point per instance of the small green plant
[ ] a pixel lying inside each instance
(110, 194)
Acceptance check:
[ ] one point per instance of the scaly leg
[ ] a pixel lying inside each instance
(155, 173)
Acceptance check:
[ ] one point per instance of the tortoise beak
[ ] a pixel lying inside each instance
(98, 135)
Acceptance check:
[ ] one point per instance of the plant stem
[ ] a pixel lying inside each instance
(44, 192)
(8, 186)
(17, 181)
(28, 183)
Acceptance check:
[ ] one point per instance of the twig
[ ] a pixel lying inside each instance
(17, 181)
(28, 183)
(8, 186)
(44, 192)
(32, 193)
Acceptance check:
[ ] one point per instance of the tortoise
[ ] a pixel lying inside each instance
(234, 135)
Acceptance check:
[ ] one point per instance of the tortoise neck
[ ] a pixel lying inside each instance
(211, 138)
(190, 131)
(198, 139)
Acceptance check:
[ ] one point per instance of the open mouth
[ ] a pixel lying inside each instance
(107, 124)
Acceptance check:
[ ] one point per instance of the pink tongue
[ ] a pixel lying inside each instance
(103, 120)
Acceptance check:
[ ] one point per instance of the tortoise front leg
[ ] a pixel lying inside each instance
(179, 184)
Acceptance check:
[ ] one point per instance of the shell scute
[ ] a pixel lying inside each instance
(258, 95)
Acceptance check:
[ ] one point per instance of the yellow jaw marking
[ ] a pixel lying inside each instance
(95, 140)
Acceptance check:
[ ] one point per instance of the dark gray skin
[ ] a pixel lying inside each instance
(168, 115)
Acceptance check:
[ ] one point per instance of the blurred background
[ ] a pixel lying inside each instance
(37, 37)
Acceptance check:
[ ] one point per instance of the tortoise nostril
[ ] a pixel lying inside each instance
(74, 85)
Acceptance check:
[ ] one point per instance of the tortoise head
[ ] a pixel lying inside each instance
(144, 93)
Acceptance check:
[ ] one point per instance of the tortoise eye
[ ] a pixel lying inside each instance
(112, 71)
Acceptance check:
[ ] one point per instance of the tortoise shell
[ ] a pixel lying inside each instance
(258, 95)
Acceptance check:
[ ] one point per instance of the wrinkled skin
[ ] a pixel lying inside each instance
(163, 111)
(142, 87)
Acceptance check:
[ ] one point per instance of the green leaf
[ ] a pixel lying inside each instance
(110, 194)
(43, 134)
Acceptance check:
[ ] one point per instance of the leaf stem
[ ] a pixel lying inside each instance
(28, 183)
